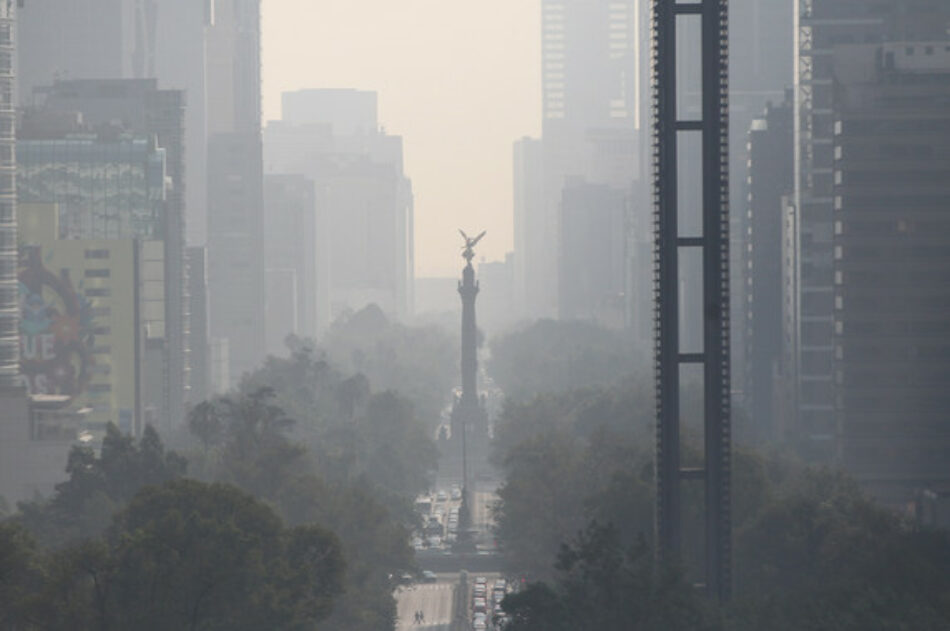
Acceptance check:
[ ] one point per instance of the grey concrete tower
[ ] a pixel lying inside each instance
(9, 304)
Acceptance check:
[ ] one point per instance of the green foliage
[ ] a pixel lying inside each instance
(20, 575)
(811, 551)
(253, 447)
(351, 431)
(567, 458)
(602, 585)
(556, 356)
(100, 485)
(418, 362)
(821, 555)
(183, 555)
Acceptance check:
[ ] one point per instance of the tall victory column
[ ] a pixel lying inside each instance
(469, 421)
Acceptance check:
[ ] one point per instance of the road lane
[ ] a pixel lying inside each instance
(434, 600)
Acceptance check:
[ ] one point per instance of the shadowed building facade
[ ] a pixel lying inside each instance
(891, 265)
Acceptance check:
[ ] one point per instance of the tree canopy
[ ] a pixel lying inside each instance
(811, 550)
(421, 363)
(250, 441)
(550, 356)
(183, 555)
(98, 485)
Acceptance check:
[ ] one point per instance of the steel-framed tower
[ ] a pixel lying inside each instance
(671, 128)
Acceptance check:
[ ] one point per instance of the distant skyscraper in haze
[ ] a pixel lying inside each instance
(593, 74)
(127, 39)
(235, 183)
(364, 199)
(590, 64)
(592, 254)
(534, 231)
(171, 49)
(199, 343)
(292, 259)
(67, 39)
(9, 299)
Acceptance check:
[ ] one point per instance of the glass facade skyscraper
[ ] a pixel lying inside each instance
(105, 189)
(9, 305)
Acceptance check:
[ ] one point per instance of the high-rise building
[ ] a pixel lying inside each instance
(769, 185)
(891, 264)
(107, 186)
(821, 26)
(593, 77)
(236, 248)
(760, 71)
(199, 344)
(291, 258)
(94, 39)
(592, 254)
(171, 49)
(136, 107)
(363, 197)
(9, 303)
(82, 322)
(35, 435)
(534, 231)
(127, 39)
(496, 282)
(235, 183)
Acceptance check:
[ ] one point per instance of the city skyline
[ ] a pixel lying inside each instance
(485, 98)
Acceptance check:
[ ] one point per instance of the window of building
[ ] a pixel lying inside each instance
(98, 292)
(98, 273)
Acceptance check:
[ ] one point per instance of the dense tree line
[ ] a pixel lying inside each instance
(420, 362)
(180, 555)
(811, 550)
(300, 483)
(551, 356)
(247, 441)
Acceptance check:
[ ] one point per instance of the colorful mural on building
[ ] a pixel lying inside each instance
(56, 330)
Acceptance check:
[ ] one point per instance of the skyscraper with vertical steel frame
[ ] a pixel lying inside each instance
(711, 243)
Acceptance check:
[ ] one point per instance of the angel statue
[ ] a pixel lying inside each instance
(467, 252)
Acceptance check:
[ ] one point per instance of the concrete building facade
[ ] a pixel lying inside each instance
(821, 26)
(235, 183)
(364, 199)
(891, 265)
(107, 111)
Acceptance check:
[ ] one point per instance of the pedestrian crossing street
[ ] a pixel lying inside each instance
(433, 600)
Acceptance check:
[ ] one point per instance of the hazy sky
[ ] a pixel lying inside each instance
(459, 80)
